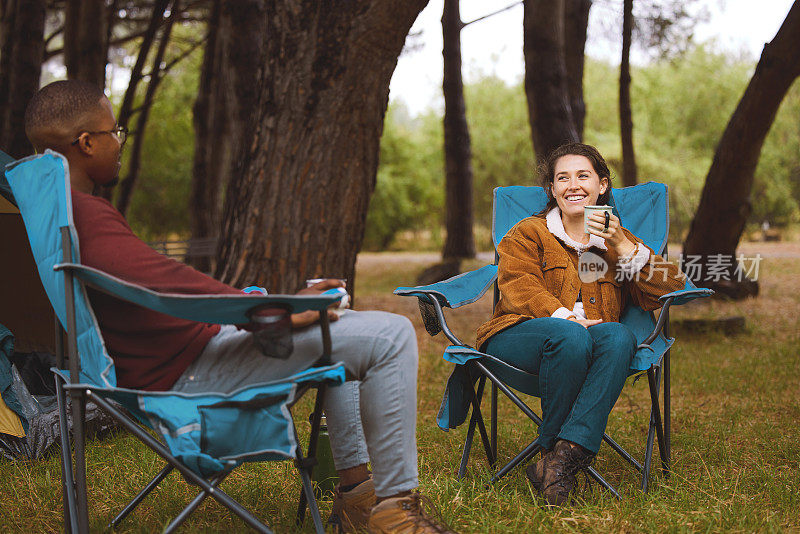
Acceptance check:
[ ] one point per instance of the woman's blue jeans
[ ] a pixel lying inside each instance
(581, 372)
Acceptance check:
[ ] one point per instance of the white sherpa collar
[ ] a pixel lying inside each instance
(556, 227)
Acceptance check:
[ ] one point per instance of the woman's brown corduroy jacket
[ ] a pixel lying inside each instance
(537, 274)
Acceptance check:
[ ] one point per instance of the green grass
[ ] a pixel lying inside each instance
(736, 412)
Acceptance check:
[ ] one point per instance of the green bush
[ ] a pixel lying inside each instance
(409, 190)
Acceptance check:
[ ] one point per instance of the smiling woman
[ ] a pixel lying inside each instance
(558, 314)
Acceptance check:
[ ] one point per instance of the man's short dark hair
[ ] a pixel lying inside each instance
(61, 104)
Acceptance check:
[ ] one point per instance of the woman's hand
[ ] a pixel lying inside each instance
(613, 235)
(586, 323)
(307, 318)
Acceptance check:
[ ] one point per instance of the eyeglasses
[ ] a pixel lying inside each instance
(120, 132)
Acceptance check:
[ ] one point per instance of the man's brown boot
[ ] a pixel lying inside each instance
(554, 474)
(404, 515)
(351, 509)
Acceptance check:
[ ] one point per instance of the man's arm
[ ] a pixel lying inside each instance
(108, 243)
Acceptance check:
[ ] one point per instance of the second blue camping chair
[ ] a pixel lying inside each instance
(203, 436)
(642, 209)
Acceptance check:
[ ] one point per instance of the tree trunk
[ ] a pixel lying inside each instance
(135, 160)
(625, 113)
(460, 242)
(549, 109)
(137, 73)
(298, 208)
(21, 52)
(86, 41)
(725, 202)
(576, 22)
(223, 110)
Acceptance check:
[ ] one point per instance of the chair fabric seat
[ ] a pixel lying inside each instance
(212, 432)
(456, 401)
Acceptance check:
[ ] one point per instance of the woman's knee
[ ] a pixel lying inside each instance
(570, 343)
(616, 339)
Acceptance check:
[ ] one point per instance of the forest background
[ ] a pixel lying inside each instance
(262, 128)
(681, 104)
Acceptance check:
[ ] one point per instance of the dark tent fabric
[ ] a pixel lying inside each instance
(5, 189)
(24, 308)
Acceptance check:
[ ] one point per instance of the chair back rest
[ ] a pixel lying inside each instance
(40, 185)
(643, 209)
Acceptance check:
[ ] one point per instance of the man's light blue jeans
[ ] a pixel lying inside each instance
(373, 417)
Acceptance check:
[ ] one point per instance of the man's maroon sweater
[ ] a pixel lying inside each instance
(150, 349)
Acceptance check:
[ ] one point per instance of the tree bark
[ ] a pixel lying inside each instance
(310, 160)
(549, 110)
(625, 113)
(86, 41)
(156, 74)
(460, 242)
(576, 23)
(725, 202)
(21, 52)
(223, 110)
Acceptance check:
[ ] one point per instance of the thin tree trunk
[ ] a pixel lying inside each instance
(86, 40)
(299, 207)
(576, 22)
(149, 37)
(156, 74)
(206, 176)
(21, 52)
(223, 112)
(460, 242)
(549, 109)
(625, 113)
(725, 202)
(126, 109)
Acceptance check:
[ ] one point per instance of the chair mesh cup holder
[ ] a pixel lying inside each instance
(272, 330)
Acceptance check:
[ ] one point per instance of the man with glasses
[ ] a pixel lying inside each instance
(120, 132)
(152, 351)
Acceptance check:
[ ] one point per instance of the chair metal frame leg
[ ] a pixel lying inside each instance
(77, 397)
(159, 448)
(194, 503)
(140, 496)
(655, 428)
(67, 475)
(476, 399)
(494, 421)
(667, 458)
(305, 465)
(531, 449)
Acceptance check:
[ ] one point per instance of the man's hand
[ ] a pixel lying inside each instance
(307, 318)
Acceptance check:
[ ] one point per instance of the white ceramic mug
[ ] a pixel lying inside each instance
(588, 210)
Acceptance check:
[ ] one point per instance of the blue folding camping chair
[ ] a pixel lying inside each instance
(205, 436)
(643, 209)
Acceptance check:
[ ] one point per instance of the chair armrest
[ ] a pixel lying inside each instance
(219, 309)
(686, 294)
(679, 297)
(457, 291)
